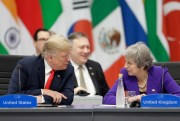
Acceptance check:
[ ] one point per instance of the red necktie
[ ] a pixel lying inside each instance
(48, 83)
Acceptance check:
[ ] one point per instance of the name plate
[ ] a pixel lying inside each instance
(17, 101)
(160, 100)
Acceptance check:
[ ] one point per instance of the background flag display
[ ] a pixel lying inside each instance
(171, 26)
(111, 26)
(156, 38)
(109, 37)
(14, 38)
(134, 21)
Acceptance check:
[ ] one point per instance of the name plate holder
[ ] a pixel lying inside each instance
(160, 100)
(18, 101)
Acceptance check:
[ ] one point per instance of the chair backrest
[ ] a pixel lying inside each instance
(173, 68)
(7, 65)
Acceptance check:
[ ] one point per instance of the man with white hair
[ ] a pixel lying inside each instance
(49, 76)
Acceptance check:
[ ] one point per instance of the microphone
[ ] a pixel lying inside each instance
(19, 81)
(163, 66)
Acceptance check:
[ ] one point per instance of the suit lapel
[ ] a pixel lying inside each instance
(93, 76)
(41, 72)
(57, 81)
(151, 85)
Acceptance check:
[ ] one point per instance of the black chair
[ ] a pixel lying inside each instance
(173, 68)
(7, 65)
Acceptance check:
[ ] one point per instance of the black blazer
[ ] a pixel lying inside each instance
(97, 76)
(32, 78)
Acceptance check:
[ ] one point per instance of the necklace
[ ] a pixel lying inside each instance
(142, 86)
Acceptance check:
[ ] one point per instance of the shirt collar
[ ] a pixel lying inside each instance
(75, 65)
(47, 67)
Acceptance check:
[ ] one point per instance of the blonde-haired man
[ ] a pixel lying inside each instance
(35, 73)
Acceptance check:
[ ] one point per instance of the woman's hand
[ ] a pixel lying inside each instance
(136, 98)
(139, 97)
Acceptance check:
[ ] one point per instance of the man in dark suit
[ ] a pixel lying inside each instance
(94, 81)
(32, 74)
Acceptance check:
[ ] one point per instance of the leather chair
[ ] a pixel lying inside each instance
(173, 68)
(7, 65)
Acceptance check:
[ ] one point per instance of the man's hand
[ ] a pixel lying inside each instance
(78, 89)
(39, 99)
(57, 97)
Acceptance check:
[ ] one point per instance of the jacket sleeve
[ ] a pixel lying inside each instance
(18, 81)
(110, 97)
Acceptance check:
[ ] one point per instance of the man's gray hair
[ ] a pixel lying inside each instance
(76, 35)
(140, 54)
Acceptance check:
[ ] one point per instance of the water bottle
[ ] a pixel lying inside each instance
(120, 94)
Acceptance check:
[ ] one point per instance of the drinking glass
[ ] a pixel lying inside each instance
(129, 98)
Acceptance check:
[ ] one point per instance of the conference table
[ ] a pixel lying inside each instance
(108, 113)
(90, 100)
(64, 113)
(89, 113)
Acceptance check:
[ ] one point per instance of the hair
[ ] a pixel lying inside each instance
(140, 54)
(76, 35)
(37, 31)
(54, 44)
(52, 33)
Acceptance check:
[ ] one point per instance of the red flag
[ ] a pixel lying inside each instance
(30, 14)
(172, 27)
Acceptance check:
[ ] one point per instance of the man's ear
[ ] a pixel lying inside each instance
(50, 58)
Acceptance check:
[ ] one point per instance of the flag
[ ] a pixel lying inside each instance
(74, 17)
(142, 23)
(11, 41)
(81, 20)
(111, 26)
(156, 39)
(109, 40)
(57, 15)
(20, 19)
(37, 14)
(171, 27)
(134, 21)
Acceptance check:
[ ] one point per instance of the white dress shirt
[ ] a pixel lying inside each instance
(88, 81)
(47, 73)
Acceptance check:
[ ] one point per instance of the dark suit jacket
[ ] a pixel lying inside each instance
(31, 71)
(97, 76)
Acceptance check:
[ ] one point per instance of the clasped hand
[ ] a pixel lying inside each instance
(135, 98)
(78, 89)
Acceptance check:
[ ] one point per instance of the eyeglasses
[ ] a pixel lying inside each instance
(42, 39)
